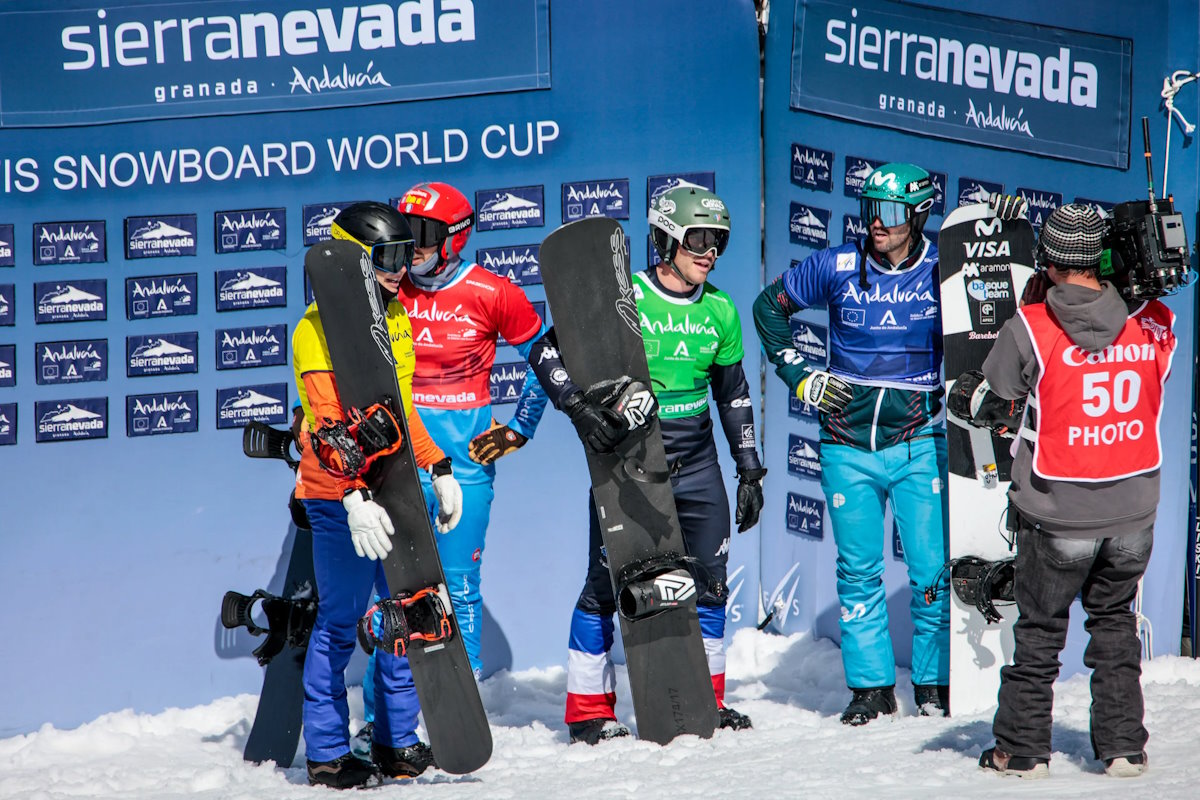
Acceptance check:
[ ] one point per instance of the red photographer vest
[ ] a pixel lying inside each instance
(1098, 413)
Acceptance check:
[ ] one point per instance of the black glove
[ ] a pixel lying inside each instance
(599, 427)
(1007, 206)
(973, 400)
(749, 498)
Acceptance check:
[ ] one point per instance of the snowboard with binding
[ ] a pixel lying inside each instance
(275, 731)
(585, 270)
(984, 263)
(419, 619)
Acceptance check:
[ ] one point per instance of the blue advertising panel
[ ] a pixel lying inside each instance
(804, 457)
(162, 354)
(70, 301)
(7, 252)
(80, 361)
(162, 413)
(251, 229)
(608, 198)
(261, 287)
(809, 225)
(69, 420)
(518, 263)
(317, 218)
(506, 381)
(241, 404)
(805, 516)
(160, 235)
(160, 296)
(8, 366)
(812, 168)
(517, 207)
(8, 308)
(968, 77)
(8, 423)
(252, 346)
(69, 242)
(223, 57)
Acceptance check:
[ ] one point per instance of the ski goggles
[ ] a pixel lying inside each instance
(429, 232)
(889, 212)
(391, 257)
(700, 241)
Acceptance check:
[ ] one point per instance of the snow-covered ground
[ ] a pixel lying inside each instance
(791, 686)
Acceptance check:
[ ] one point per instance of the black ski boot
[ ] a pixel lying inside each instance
(734, 720)
(403, 762)
(344, 772)
(997, 760)
(867, 704)
(594, 731)
(932, 699)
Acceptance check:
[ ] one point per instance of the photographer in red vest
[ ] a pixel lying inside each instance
(1085, 485)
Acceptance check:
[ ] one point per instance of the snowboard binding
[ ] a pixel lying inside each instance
(288, 621)
(978, 583)
(654, 585)
(404, 619)
(260, 440)
(347, 451)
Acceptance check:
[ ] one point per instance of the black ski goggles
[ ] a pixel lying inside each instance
(392, 257)
(701, 241)
(432, 232)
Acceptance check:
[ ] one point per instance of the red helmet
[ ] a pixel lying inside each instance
(439, 215)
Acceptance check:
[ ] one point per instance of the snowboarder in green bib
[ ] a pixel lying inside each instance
(693, 339)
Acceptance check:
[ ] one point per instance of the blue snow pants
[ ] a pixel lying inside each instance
(911, 478)
(345, 582)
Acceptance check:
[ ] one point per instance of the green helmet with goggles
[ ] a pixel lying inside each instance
(691, 217)
(380, 230)
(897, 194)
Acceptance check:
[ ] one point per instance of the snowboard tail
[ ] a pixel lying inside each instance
(585, 270)
(355, 324)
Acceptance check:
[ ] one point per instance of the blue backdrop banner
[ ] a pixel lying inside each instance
(968, 77)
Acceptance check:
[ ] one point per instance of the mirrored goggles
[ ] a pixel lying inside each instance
(427, 232)
(889, 212)
(700, 241)
(392, 257)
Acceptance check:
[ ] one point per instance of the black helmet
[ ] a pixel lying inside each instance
(380, 230)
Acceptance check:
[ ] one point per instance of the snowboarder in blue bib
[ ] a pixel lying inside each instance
(882, 427)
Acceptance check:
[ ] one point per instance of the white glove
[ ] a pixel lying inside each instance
(449, 496)
(369, 525)
(827, 392)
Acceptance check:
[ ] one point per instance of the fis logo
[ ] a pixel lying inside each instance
(804, 457)
(608, 198)
(506, 381)
(317, 220)
(66, 420)
(782, 602)
(253, 229)
(160, 296)
(7, 257)
(241, 404)
(8, 366)
(518, 263)
(853, 230)
(974, 190)
(260, 287)
(164, 354)
(1041, 204)
(857, 170)
(8, 423)
(173, 235)
(155, 414)
(69, 243)
(72, 362)
(812, 168)
(8, 312)
(504, 209)
(811, 341)
(260, 346)
(77, 301)
(808, 226)
(658, 185)
(805, 516)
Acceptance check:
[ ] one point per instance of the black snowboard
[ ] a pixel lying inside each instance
(585, 269)
(276, 728)
(354, 321)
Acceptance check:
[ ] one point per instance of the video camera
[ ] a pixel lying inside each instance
(1145, 247)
